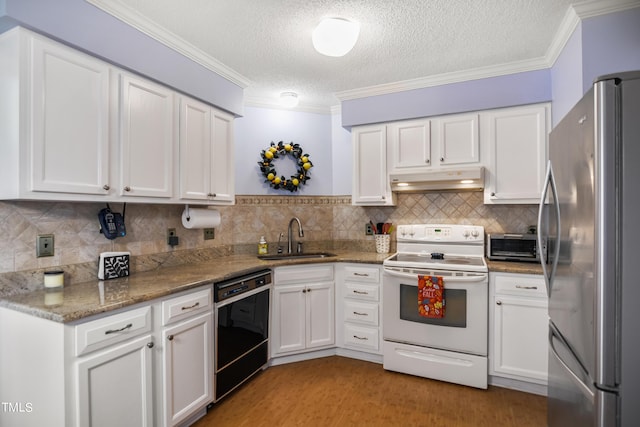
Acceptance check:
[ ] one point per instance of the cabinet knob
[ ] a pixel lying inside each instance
(304, 291)
(427, 161)
(493, 194)
(106, 187)
(442, 159)
(150, 344)
(127, 188)
(499, 302)
(212, 195)
(170, 337)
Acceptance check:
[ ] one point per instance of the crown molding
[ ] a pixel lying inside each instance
(265, 102)
(130, 17)
(574, 15)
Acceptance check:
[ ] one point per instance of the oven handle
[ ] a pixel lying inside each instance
(457, 279)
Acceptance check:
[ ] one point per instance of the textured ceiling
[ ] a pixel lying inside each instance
(269, 41)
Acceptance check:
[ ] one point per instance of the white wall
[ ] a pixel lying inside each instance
(259, 126)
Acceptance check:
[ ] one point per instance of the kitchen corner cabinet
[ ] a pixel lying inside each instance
(517, 139)
(519, 322)
(54, 112)
(303, 309)
(371, 186)
(146, 138)
(206, 153)
(358, 307)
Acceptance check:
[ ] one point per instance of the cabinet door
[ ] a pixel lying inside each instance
(188, 362)
(289, 319)
(222, 158)
(458, 139)
(70, 122)
(370, 182)
(195, 149)
(517, 139)
(410, 145)
(520, 337)
(146, 138)
(320, 315)
(115, 387)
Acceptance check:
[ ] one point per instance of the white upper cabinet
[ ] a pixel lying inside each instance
(146, 138)
(517, 139)
(370, 179)
(457, 137)
(409, 145)
(54, 119)
(206, 153)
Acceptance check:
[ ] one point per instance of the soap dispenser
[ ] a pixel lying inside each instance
(263, 248)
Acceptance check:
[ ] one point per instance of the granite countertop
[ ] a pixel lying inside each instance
(78, 301)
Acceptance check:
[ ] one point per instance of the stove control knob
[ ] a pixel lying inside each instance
(465, 233)
(475, 233)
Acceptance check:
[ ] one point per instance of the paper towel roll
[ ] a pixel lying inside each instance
(200, 218)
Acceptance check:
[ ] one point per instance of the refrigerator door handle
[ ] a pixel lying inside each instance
(586, 391)
(549, 181)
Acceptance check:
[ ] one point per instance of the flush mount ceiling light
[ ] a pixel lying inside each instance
(335, 36)
(288, 99)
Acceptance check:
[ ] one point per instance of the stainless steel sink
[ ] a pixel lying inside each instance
(275, 257)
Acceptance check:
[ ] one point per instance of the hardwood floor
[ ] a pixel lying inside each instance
(338, 391)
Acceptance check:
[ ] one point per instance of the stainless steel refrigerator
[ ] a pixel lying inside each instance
(590, 219)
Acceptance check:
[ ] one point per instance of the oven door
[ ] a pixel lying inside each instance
(462, 329)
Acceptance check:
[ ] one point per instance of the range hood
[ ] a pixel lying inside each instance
(459, 179)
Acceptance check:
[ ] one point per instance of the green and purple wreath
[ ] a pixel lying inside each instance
(275, 151)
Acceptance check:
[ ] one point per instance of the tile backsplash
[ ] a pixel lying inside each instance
(328, 222)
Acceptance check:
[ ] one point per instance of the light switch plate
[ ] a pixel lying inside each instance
(44, 245)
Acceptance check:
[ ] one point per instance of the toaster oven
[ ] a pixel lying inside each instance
(513, 247)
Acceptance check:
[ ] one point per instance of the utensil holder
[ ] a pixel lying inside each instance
(383, 242)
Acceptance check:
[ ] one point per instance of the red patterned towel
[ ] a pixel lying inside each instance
(431, 296)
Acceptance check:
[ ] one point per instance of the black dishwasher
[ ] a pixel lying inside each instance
(241, 329)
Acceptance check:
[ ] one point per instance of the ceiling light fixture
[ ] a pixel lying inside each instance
(288, 99)
(335, 36)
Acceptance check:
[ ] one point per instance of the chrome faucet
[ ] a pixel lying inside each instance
(300, 234)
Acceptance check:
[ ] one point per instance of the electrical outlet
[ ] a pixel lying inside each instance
(172, 238)
(44, 245)
(368, 229)
(209, 233)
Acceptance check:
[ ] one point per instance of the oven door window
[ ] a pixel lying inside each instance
(455, 312)
(242, 326)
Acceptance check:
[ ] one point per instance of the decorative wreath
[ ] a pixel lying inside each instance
(271, 175)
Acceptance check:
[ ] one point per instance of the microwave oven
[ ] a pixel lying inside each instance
(513, 247)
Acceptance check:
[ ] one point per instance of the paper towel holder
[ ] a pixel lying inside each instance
(186, 208)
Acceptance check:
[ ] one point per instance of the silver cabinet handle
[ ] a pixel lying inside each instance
(427, 161)
(526, 287)
(191, 306)
(355, 291)
(106, 187)
(442, 159)
(304, 291)
(360, 314)
(361, 338)
(170, 337)
(361, 274)
(127, 188)
(493, 194)
(150, 344)
(113, 331)
(499, 302)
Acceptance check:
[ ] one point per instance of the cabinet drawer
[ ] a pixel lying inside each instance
(110, 330)
(361, 336)
(184, 306)
(306, 274)
(520, 284)
(362, 274)
(362, 291)
(361, 312)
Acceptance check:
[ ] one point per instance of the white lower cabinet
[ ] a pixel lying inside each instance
(519, 327)
(115, 386)
(150, 365)
(358, 307)
(303, 309)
